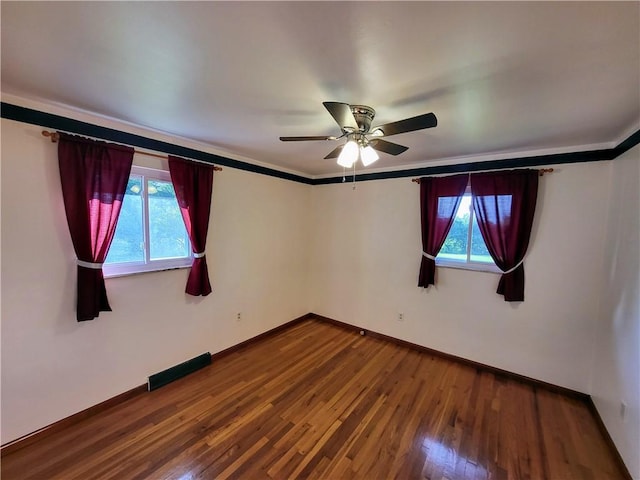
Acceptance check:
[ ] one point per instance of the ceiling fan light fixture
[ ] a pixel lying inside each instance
(368, 155)
(377, 132)
(348, 155)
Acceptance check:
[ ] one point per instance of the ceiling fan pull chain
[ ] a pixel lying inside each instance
(344, 174)
(354, 175)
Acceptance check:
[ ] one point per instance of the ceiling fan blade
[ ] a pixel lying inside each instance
(304, 139)
(427, 120)
(387, 147)
(341, 113)
(335, 152)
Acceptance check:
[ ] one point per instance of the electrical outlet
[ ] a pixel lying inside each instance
(238, 316)
(400, 317)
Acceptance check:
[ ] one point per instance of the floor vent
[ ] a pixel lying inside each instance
(160, 379)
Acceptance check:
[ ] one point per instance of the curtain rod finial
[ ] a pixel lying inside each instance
(53, 135)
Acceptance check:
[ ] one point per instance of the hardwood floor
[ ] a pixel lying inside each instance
(320, 402)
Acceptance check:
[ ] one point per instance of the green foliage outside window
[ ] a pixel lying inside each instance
(128, 241)
(455, 245)
(167, 235)
(166, 228)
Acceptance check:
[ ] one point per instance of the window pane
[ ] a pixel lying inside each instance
(479, 252)
(128, 241)
(167, 236)
(455, 246)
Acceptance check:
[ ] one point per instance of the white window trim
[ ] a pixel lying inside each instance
(473, 266)
(134, 268)
(468, 264)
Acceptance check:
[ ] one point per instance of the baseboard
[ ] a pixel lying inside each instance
(49, 430)
(478, 366)
(55, 427)
(262, 336)
(607, 437)
(539, 384)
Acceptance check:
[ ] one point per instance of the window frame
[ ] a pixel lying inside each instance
(468, 264)
(112, 270)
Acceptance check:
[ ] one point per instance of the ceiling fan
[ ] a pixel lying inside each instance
(362, 140)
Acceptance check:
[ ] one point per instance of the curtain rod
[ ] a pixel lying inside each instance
(55, 136)
(541, 172)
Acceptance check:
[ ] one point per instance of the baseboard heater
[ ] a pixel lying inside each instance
(160, 379)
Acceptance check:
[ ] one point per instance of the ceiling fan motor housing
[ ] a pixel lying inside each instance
(364, 116)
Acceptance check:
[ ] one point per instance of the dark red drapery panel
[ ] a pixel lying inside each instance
(94, 178)
(193, 183)
(439, 201)
(504, 204)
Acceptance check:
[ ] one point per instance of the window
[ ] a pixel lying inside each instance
(150, 234)
(464, 246)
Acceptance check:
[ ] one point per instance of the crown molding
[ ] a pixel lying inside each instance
(473, 159)
(105, 125)
(80, 122)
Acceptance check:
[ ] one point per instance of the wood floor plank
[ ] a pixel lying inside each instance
(320, 402)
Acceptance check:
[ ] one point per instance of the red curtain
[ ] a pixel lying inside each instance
(94, 178)
(193, 183)
(439, 201)
(504, 204)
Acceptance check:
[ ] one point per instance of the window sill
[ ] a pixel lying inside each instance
(125, 272)
(474, 267)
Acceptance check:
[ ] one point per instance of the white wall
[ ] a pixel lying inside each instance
(366, 257)
(53, 366)
(616, 376)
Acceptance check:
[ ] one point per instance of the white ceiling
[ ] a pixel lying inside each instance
(502, 78)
